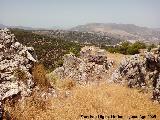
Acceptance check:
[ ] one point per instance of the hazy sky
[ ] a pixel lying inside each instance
(68, 13)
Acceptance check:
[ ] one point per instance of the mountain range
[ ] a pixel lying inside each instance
(128, 32)
(19, 27)
(30, 28)
(85, 38)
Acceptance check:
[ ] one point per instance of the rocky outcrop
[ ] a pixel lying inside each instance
(140, 71)
(131, 69)
(1, 111)
(91, 65)
(16, 62)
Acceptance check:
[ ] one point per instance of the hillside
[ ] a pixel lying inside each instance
(81, 37)
(129, 32)
(18, 27)
(94, 84)
(49, 50)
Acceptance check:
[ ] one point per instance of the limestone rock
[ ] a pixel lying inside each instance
(16, 62)
(138, 71)
(92, 65)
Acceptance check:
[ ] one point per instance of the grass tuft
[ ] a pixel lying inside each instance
(89, 100)
(39, 76)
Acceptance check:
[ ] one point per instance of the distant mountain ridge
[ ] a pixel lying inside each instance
(129, 32)
(30, 28)
(80, 37)
(19, 27)
(123, 31)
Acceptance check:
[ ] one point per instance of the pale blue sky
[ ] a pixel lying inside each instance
(68, 13)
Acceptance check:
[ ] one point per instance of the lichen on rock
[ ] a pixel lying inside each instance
(140, 71)
(91, 65)
(16, 62)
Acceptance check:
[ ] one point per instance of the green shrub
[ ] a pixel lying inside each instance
(132, 50)
(49, 50)
(151, 47)
(127, 48)
(74, 50)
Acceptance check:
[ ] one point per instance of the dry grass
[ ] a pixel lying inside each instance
(117, 57)
(90, 100)
(66, 84)
(39, 76)
(102, 99)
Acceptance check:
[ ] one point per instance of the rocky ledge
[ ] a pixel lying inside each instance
(16, 62)
(140, 72)
(91, 65)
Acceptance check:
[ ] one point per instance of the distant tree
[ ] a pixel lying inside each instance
(132, 50)
(123, 48)
(139, 45)
(151, 47)
(128, 48)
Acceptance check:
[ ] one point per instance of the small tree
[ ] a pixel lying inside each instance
(123, 48)
(74, 51)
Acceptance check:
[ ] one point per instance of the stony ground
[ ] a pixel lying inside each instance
(92, 100)
(117, 58)
(74, 102)
(65, 99)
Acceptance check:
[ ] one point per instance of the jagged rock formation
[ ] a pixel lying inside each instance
(1, 110)
(16, 62)
(139, 71)
(92, 65)
(131, 69)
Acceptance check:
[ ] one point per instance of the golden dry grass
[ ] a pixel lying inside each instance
(95, 100)
(39, 76)
(117, 57)
(66, 84)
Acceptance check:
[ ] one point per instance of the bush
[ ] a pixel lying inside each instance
(39, 76)
(48, 50)
(123, 48)
(151, 47)
(139, 45)
(132, 50)
(74, 50)
(128, 48)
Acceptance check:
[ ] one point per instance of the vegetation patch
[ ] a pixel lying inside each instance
(127, 48)
(39, 76)
(90, 100)
(50, 51)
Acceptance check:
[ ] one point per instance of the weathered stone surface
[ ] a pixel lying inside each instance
(1, 111)
(138, 71)
(16, 62)
(92, 65)
(132, 70)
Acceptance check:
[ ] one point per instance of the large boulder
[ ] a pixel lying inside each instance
(91, 65)
(93, 54)
(132, 70)
(16, 62)
(140, 71)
